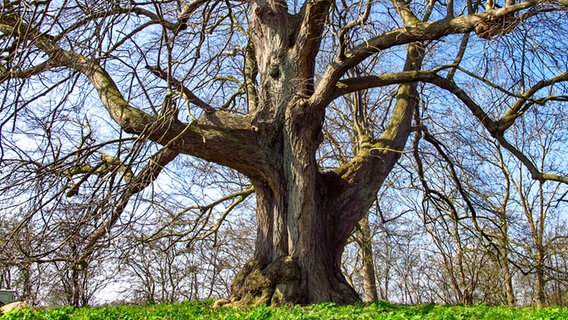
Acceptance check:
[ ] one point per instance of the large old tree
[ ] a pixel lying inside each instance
(246, 84)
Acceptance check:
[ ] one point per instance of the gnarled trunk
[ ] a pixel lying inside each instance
(305, 216)
(301, 232)
(297, 256)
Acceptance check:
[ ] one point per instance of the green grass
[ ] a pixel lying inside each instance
(202, 310)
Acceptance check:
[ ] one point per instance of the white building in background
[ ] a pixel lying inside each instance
(7, 296)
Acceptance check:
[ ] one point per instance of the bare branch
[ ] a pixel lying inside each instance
(535, 173)
(498, 131)
(148, 175)
(422, 31)
(216, 128)
(177, 85)
(520, 106)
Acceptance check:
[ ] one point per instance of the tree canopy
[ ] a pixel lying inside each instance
(311, 104)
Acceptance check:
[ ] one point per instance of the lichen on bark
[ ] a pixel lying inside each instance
(275, 284)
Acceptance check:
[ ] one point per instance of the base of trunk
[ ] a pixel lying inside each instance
(275, 284)
(283, 282)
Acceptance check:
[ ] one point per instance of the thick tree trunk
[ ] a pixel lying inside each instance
(305, 216)
(300, 236)
(297, 259)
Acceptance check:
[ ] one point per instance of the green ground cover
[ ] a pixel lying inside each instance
(203, 310)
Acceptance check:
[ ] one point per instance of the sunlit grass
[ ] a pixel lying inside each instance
(204, 310)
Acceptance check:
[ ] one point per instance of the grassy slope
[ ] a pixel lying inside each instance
(202, 310)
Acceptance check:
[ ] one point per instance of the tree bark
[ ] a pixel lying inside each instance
(296, 259)
(540, 277)
(504, 258)
(368, 266)
(509, 291)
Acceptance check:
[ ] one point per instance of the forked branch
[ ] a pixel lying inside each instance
(185, 91)
(497, 128)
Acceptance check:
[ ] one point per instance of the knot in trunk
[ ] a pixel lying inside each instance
(277, 283)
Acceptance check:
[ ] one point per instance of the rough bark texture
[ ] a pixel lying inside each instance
(297, 256)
